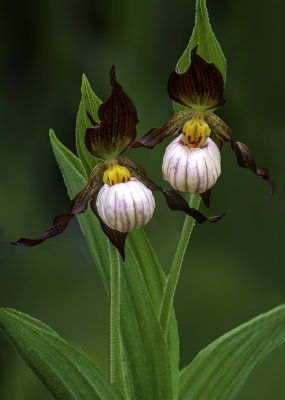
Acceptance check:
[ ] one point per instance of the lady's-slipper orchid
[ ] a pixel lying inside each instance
(200, 90)
(118, 189)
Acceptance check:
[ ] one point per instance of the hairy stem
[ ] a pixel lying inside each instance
(116, 373)
(172, 279)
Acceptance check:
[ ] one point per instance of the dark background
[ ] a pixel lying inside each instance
(234, 269)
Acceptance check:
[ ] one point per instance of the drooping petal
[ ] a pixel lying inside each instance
(200, 86)
(220, 132)
(174, 200)
(58, 226)
(245, 159)
(117, 238)
(117, 128)
(78, 206)
(172, 126)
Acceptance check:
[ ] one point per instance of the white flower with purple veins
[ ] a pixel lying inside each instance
(191, 169)
(125, 206)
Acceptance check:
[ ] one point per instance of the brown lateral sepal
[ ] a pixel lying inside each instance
(172, 126)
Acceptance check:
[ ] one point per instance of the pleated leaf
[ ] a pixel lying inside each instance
(89, 101)
(65, 371)
(219, 371)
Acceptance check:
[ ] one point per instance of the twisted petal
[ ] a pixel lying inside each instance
(220, 132)
(201, 85)
(172, 126)
(58, 226)
(78, 206)
(174, 200)
(245, 159)
(117, 129)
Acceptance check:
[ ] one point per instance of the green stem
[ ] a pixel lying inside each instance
(115, 335)
(172, 279)
(118, 369)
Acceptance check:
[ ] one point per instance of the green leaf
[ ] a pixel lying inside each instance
(209, 47)
(65, 371)
(147, 356)
(91, 102)
(75, 179)
(154, 279)
(118, 373)
(68, 161)
(219, 371)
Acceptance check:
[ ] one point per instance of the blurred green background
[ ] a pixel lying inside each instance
(234, 269)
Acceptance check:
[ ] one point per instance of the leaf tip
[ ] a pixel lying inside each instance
(85, 83)
(51, 134)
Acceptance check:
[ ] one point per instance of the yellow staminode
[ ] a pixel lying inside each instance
(116, 174)
(197, 131)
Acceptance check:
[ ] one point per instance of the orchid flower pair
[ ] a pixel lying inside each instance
(118, 189)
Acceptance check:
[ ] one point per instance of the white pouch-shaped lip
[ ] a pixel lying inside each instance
(125, 206)
(191, 169)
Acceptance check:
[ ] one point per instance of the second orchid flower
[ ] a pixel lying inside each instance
(192, 161)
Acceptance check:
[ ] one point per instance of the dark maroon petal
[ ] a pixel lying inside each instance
(78, 206)
(117, 238)
(220, 132)
(205, 196)
(201, 85)
(95, 181)
(245, 159)
(174, 200)
(117, 129)
(59, 224)
(172, 126)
